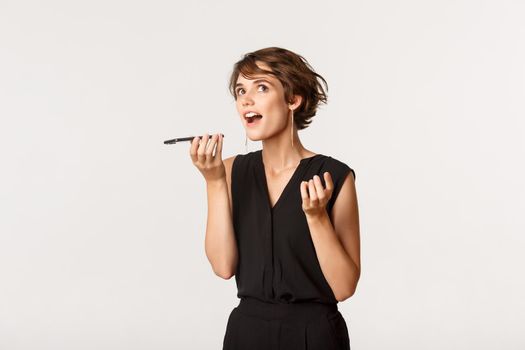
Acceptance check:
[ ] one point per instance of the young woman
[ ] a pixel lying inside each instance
(283, 220)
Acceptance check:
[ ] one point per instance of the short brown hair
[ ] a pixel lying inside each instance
(295, 74)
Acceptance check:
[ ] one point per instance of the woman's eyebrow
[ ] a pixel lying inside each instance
(256, 81)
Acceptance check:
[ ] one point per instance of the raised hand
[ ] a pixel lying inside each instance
(314, 196)
(207, 162)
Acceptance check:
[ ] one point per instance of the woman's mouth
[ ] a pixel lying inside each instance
(252, 118)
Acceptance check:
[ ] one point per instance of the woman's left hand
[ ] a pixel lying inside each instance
(314, 196)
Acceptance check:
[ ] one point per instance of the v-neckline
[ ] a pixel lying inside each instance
(286, 189)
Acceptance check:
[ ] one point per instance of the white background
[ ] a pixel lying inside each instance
(102, 225)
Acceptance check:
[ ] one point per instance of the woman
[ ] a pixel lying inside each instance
(272, 221)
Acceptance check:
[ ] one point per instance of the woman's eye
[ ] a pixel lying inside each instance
(241, 89)
(264, 86)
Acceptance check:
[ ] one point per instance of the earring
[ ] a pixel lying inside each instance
(291, 129)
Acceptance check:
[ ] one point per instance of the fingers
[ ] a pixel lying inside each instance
(193, 148)
(214, 148)
(218, 151)
(328, 181)
(309, 192)
(201, 150)
(313, 192)
(304, 191)
(210, 147)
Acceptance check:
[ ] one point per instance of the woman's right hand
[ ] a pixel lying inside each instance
(210, 165)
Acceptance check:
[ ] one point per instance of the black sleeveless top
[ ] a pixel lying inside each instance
(277, 259)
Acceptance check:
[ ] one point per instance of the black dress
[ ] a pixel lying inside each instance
(285, 301)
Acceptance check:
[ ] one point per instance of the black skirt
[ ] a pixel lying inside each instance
(259, 325)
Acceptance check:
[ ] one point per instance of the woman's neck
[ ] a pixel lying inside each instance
(277, 153)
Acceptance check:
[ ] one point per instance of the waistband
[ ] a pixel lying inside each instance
(304, 310)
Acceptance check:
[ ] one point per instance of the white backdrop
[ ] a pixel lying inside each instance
(102, 225)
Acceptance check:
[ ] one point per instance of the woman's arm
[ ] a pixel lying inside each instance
(220, 243)
(336, 237)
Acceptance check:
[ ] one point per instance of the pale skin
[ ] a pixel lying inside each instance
(335, 235)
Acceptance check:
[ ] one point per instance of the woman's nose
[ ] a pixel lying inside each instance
(246, 100)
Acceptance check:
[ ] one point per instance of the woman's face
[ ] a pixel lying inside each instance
(264, 95)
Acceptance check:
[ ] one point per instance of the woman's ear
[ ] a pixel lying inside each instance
(297, 99)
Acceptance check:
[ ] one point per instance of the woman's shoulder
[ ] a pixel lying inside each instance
(339, 170)
(336, 165)
(244, 157)
(242, 162)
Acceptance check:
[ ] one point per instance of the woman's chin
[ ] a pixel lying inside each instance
(254, 136)
(255, 139)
